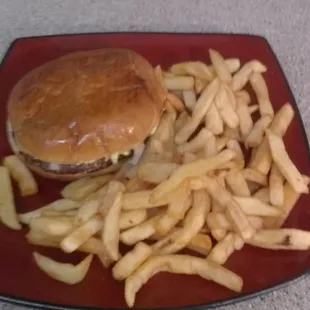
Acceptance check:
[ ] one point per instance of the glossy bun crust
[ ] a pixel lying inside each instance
(85, 106)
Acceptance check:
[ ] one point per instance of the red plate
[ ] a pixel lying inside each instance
(24, 284)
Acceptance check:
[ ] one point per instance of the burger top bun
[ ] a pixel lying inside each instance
(85, 106)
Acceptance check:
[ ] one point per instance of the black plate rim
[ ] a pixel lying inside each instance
(36, 304)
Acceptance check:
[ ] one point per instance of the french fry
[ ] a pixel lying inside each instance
(201, 108)
(243, 96)
(194, 169)
(176, 102)
(223, 249)
(192, 224)
(175, 212)
(234, 145)
(136, 184)
(36, 238)
(255, 137)
(53, 213)
(67, 273)
(282, 239)
(81, 234)
(80, 189)
(22, 175)
(160, 76)
(232, 133)
(188, 158)
(140, 232)
(200, 85)
(180, 264)
(225, 109)
(214, 121)
(197, 69)
(112, 203)
(238, 242)
(131, 261)
(218, 234)
(142, 199)
(284, 163)
(91, 246)
(290, 199)
(156, 172)
(231, 97)
(253, 108)
(237, 182)
(252, 175)
(201, 244)
(245, 119)
(179, 83)
(261, 161)
(181, 120)
(221, 143)
(130, 219)
(232, 209)
(263, 195)
(210, 147)
(218, 220)
(241, 78)
(220, 66)
(189, 98)
(60, 205)
(276, 187)
(197, 143)
(254, 206)
(87, 210)
(233, 65)
(260, 88)
(54, 226)
(8, 215)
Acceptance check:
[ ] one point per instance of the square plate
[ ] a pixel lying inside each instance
(24, 284)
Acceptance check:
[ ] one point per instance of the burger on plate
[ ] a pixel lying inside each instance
(84, 113)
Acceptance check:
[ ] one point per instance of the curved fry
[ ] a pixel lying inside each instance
(180, 264)
(67, 273)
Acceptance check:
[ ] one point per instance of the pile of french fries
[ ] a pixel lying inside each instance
(192, 189)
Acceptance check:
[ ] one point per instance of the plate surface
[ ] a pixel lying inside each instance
(23, 283)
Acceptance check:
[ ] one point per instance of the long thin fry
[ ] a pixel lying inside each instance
(260, 88)
(261, 161)
(62, 272)
(22, 175)
(8, 215)
(284, 163)
(226, 111)
(214, 121)
(282, 239)
(196, 168)
(233, 210)
(180, 264)
(201, 108)
(220, 66)
(276, 187)
(290, 199)
(242, 76)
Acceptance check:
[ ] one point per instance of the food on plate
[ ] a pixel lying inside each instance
(181, 264)
(8, 215)
(92, 109)
(66, 273)
(21, 174)
(189, 185)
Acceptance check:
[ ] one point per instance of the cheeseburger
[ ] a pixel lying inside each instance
(84, 113)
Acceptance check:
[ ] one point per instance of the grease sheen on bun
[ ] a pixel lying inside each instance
(85, 106)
